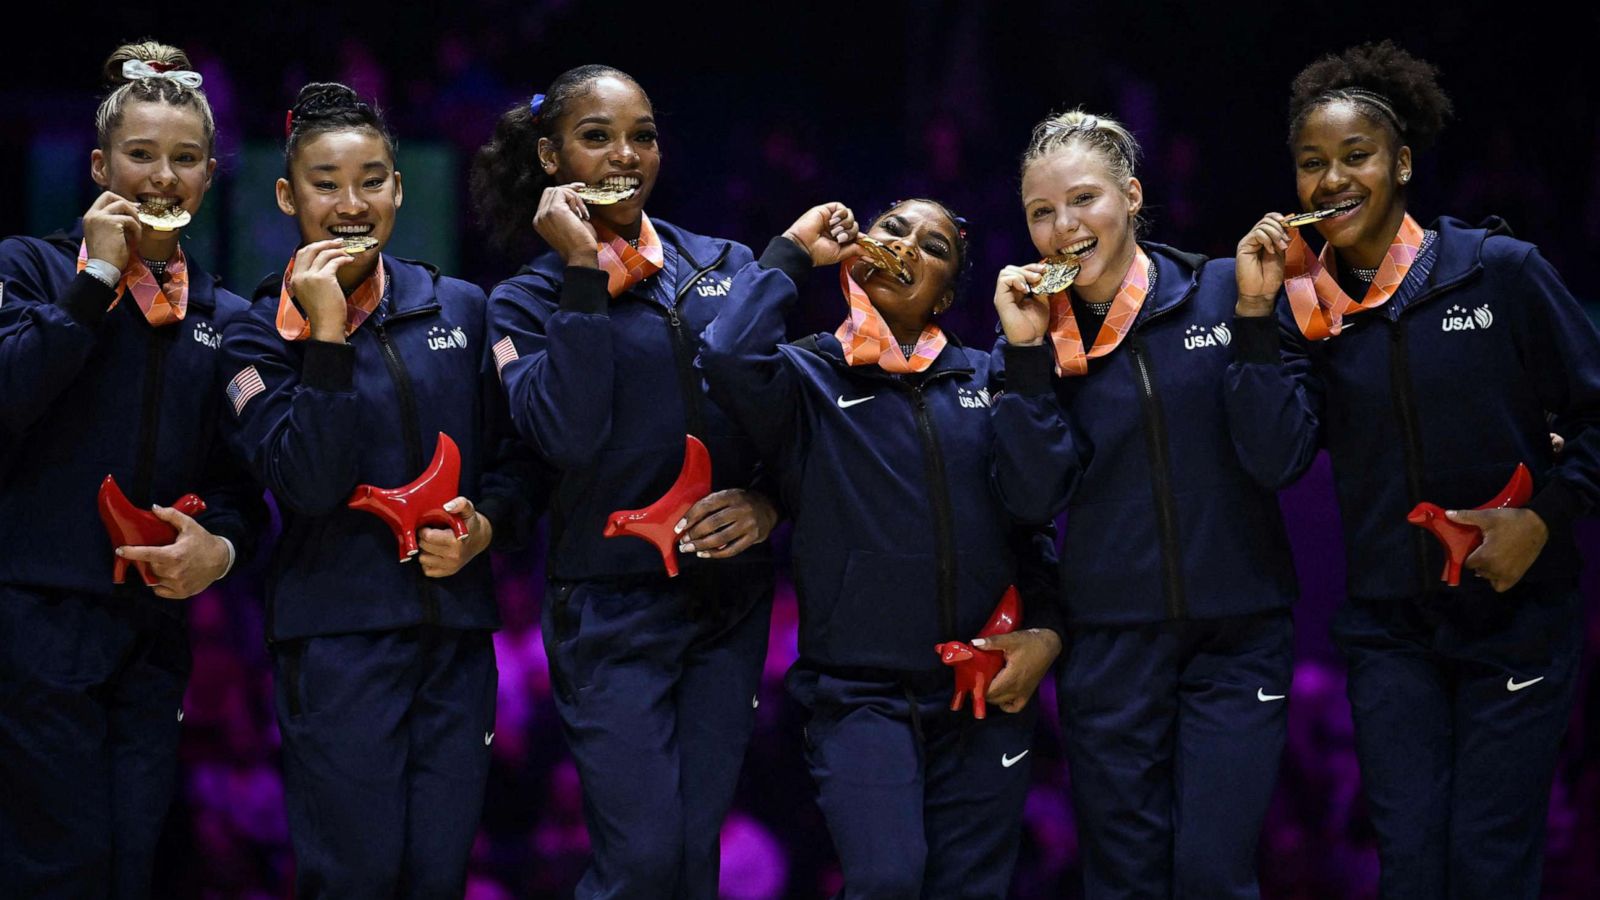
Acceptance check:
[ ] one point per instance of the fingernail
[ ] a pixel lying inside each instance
(678, 528)
(703, 555)
(686, 546)
(979, 642)
(119, 552)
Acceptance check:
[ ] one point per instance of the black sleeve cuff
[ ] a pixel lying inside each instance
(1028, 370)
(584, 290)
(86, 300)
(501, 513)
(329, 367)
(1047, 616)
(786, 256)
(1255, 340)
(1558, 505)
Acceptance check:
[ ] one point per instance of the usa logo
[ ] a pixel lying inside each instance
(712, 286)
(454, 339)
(1457, 318)
(1197, 336)
(969, 399)
(204, 334)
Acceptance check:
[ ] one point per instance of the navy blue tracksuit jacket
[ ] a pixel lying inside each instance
(92, 674)
(606, 389)
(87, 393)
(1177, 580)
(1436, 395)
(1460, 695)
(369, 412)
(1163, 519)
(897, 545)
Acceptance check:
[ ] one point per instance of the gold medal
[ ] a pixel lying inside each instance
(880, 257)
(1300, 219)
(163, 214)
(358, 243)
(604, 195)
(1059, 273)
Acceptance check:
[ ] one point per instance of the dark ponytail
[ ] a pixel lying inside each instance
(507, 178)
(328, 106)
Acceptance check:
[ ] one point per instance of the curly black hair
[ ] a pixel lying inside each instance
(963, 246)
(1389, 85)
(324, 106)
(506, 179)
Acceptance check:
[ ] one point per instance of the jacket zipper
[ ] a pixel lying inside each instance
(410, 428)
(1405, 406)
(155, 365)
(943, 515)
(683, 352)
(1155, 432)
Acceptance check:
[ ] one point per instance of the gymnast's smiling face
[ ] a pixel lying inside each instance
(343, 183)
(1076, 206)
(1344, 158)
(607, 135)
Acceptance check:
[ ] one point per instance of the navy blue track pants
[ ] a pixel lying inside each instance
(922, 802)
(1459, 707)
(657, 709)
(1173, 735)
(386, 742)
(90, 709)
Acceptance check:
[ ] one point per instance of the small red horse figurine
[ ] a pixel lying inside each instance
(975, 668)
(130, 526)
(655, 522)
(405, 509)
(1460, 540)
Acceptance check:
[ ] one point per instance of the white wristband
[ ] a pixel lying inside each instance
(103, 272)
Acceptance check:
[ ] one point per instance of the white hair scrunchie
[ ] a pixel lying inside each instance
(135, 69)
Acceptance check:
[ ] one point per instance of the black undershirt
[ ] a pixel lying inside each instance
(1089, 321)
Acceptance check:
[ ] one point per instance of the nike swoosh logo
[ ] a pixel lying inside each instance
(846, 404)
(180, 714)
(1264, 697)
(1009, 761)
(1514, 685)
(488, 738)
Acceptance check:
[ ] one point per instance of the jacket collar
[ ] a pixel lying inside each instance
(952, 360)
(1177, 277)
(413, 285)
(202, 285)
(697, 250)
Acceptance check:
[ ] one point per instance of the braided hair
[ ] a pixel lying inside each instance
(328, 106)
(124, 89)
(1388, 85)
(507, 180)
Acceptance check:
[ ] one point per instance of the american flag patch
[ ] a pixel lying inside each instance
(504, 352)
(244, 385)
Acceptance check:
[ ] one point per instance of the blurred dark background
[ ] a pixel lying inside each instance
(764, 112)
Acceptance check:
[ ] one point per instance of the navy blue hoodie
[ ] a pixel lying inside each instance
(605, 390)
(369, 411)
(1435, 395)
(1163, 520)
(86, 393)
(899, 540)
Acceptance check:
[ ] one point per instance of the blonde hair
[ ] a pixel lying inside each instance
(1104, 135)
(152, 90)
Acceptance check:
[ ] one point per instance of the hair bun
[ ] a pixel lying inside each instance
(163, 57)
(320, 99)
